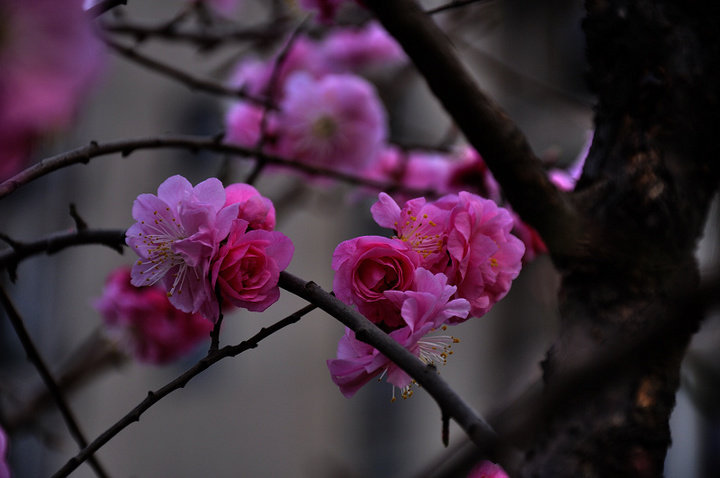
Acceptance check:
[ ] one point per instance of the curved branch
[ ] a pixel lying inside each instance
(485, 125)
(154, 397)
(192, 143)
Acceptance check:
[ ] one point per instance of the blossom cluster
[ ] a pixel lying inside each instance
(208, 242)
(49, 55)
(449, 260)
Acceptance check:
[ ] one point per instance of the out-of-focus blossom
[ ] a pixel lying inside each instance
(424, 308)
(534, 245)
(565, 179)
(256, 209)
(487, 469)
(248, 266)
(142, 320)
(176, 235)
(4, 468)
(484, 256)
(470, 173)
(359, 49)
(368, 266)
(243, 124)
(336, 122)
(49, 56)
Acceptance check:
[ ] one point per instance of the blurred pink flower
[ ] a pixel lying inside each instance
(470, 173)
(247, 267)
(534, 245)
(424, 308)
(49, 56)
(256, 209)
(242, 124)
(336, 122)
(366, 267)
(176, 235)
(484, 256)
(358, 49)
(4, 468)
(143, 320)
(487, 469)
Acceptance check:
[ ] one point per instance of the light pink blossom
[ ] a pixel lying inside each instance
(49, 56)
(142, 320)
(256, 209)
(487, 469)
(360, 49)
(248, 266)
(425, 306)
(336, 122)
(176, 235)
(484, 256)
(366, 267)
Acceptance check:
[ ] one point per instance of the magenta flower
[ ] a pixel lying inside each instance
(49, 56)
(368, 266)
(336, 122)
(358, 49)
(487, 469)
(242, 124)
(143, 321)
(470, 173)
(424, 308)
(176, 235)
(484, 256)
(248, 266)
(257, 210)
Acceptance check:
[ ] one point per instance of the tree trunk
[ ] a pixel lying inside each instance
(644, 194)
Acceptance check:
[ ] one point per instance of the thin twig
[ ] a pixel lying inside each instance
(36, 359)
(451, 5)
(192, 81)
(180, 382)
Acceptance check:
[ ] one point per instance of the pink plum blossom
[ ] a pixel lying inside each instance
(142, 320)
(256, 209)
(176, 235)
(49, 56)
(424, 307)
(487, 469)
(335, 122)
(484, 256)
(243, 124)
(368, 266)
(357, 49)
(470, 173)
(248, 266)
(534, 245)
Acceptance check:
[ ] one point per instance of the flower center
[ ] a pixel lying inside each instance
(324, 127)
(423, 234)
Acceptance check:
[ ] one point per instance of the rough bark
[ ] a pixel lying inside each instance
(644, 194)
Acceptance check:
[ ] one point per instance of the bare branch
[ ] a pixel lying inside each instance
(485, 125)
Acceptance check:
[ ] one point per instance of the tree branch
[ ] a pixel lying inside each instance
(485, 125)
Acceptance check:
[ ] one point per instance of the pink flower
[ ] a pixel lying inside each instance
(487, 469)
(470, 173)
(144, 321)
(352, 50)
(534, 245)
(336, 121)
(247, 267)
(425, 307)
(254, 208)
(484, 256)
(565, 179)
(242, 124)
(49, 56)
(176, 235)
(368, 266)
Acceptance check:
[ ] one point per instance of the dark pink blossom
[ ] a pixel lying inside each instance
(256, 209)
(424, 307)
(176, 235)
(366, 267)
(487, 469)
(143, 321)
(248, 266)
(49, 56)
(484, 256)
(336, 122)
(470, 173)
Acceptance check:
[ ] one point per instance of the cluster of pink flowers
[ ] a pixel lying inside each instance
(49, 56)
(142, 321)
(329, 115)
(449, 260)
(199, 240)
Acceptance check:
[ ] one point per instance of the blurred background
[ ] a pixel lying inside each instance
(274, 411)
